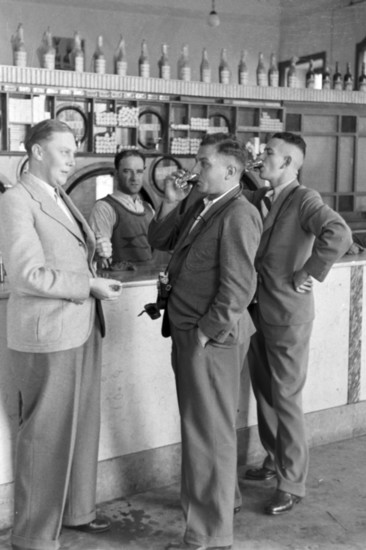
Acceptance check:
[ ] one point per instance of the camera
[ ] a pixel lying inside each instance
(164, 288)
(152, 310)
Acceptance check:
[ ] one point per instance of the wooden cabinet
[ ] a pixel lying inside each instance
(157, 124)
(172, 126)
(336, 144)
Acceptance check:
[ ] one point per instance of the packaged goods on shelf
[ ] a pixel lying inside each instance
(121, 147)
(194, 145)
(180, 146)
(150, 127)
(16, 138)
(128, 116)
(270, 124)
(105, 143)
(199, 123)
(180, 126)
(217, 130)
(106, 118)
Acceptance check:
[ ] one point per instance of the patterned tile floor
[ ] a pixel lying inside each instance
(331, 517)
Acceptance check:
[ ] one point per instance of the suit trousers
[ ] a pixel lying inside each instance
(208, 387)
(278, 360)
(57, 443)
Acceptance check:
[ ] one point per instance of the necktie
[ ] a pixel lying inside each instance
(266, 202)
(206, 204)
(62, 205)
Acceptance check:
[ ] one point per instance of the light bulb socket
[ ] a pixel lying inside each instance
(213, 19)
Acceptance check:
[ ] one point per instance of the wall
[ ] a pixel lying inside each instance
(251, 25)
(334, 26)
(287, 27)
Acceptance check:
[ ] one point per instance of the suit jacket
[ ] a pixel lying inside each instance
(300, 231)
(48, 260)
(212, 268)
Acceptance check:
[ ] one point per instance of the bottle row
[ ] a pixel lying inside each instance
(47, 57)
(326, 81)
(264, 77)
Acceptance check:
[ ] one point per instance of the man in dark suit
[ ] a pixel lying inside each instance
(302, 238)
(213, 280)
(54, 327)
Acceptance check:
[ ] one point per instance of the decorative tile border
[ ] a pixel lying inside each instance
(355, 335)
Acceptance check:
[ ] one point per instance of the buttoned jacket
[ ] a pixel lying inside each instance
(300, 231)
(48, 259)
(212, 268)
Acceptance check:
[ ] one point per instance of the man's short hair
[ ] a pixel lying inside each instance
(293, 139)
(126, 154)
(43, 131)
(228, 145)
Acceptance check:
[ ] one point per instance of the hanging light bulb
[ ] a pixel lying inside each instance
(213, 19)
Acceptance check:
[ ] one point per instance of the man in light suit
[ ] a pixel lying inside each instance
(302, 238)
(213, 280)
(54, 333)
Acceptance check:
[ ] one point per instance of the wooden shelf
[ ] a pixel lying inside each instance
(109, 86)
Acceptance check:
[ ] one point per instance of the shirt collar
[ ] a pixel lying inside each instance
(127, 198)
(209, 201)
(49, 189)
(277, 190)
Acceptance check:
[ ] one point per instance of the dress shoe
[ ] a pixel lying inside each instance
(187, 546)
(15, 547)
(94, 527)
(259, 474)
(281, 502)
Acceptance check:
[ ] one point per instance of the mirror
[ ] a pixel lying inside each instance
(218, 123)
(360, 58)
(150, 130)
(163, 167)
(76, 119)
(302, 67)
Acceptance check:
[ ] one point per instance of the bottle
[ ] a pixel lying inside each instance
(184, 69)
(144, 63)
(205, 69)
(99, 57)
(326, 79)
(2, 270)
(48, 51)
(224, 69)
(337, 79)
(273, 73)
(243, 74)
(291, 75)
(261, 71)
(362, 78)
(163, 64)
(120, 59)
(77, 54)
(348, 79)
(310, 75)
(19, 51)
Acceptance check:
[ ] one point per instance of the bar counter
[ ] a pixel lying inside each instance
(140, 433)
